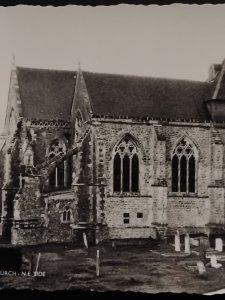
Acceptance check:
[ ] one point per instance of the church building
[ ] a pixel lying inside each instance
(114, 156)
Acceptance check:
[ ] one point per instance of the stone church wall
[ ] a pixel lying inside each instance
(56, 204)
(135, 215)
(43, 139)
(159, 204)
(51, 227)
(188, 211)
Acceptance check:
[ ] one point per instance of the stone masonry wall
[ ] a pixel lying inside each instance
(188, 211)
(52, 228)
(28, 206)
(155, 204)
(56, 203)
(175, 209)
(117, 207)
(216, 195)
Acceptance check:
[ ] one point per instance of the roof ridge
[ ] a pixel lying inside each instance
(45, 69)
(145, 77)
(112, 74)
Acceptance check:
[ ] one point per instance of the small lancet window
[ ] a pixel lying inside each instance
(126, 167)
(184, 168)
(66, 216)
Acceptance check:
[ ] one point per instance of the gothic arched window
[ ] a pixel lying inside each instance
(184, 168)
(126, 167)
(57, 175)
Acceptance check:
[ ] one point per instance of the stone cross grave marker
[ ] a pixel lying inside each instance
(213, 262)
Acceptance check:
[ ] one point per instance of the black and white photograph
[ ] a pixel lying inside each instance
(112, 148)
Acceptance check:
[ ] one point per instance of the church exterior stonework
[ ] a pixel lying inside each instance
(114, 156)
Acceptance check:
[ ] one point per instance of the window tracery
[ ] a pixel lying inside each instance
(126, 167)
(184, 168)
(56, 178)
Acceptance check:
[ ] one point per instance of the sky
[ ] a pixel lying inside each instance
(175, 41)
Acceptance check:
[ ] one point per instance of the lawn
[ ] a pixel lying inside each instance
(133, 268)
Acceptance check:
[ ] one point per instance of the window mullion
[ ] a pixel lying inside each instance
(56, 176)
(121, 177)
(195, 165)
(130, 174)
(187, 179)
(179, 157)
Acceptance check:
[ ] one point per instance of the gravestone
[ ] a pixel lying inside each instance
(187, 244)
(85, 239)
(194, 242)
(201, 268)
(213, 262)
(219, 245)
(202, 248)
(177, 242)
(206, 241)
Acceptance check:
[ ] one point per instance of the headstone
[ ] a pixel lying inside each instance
(206, 242)
(187, 244)
(202, 249)
(219, 245)
(201, 268)
(97, 263)
(177, 242)
(85, 239)
(213, 262)
(194, 242)
(21, 181)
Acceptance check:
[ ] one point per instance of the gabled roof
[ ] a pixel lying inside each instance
(133, 96)
(46, 94)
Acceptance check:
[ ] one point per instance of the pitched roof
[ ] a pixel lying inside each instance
(46, 94)
(135, 96)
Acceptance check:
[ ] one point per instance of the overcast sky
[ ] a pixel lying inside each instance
(177, 41)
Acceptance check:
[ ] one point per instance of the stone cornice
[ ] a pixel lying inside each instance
(97, 120)
(37, 123)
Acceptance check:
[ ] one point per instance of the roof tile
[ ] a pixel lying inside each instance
(46, 94)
